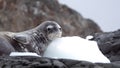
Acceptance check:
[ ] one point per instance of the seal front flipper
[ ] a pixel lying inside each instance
(21, 38)
(24, 42)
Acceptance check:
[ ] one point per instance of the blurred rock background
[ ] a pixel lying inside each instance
(20, 15)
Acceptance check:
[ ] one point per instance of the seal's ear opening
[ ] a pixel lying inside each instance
(21, 38)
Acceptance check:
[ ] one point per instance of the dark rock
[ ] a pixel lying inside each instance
(40, 62)
(19, 15)
(109, 44)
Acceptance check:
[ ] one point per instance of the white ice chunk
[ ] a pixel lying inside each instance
(75, 48)
(24, 54)
(89, 37)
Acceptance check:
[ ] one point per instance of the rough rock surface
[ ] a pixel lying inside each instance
(109, 44)
(19, 15)
(35, 62)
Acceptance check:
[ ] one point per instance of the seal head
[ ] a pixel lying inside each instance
(51, 29)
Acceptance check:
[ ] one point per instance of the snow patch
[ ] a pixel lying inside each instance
(89, 37)
(24, 54)
(75, 48)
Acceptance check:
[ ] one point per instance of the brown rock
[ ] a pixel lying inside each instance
(19, 15)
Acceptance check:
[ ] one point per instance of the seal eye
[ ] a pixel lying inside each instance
(49, 29)
(60, 29)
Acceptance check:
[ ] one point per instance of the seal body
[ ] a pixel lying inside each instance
(33, 40)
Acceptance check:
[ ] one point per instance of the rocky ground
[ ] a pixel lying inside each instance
(35, 62)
